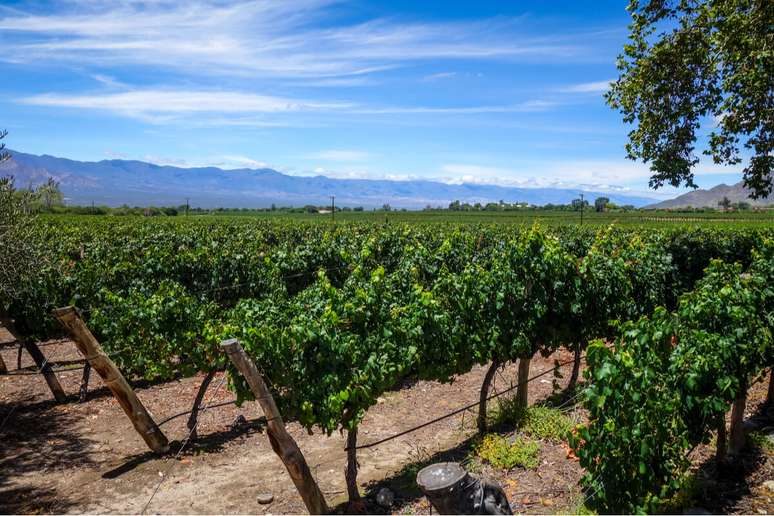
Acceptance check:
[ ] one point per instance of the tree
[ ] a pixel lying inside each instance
(20, 256)
(725, 203)
(50, 194)
(694, 63)
(600, 204)
(4, 154)
(578, 204)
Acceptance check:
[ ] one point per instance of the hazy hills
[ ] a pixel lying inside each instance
(710, 198)
(137, 183)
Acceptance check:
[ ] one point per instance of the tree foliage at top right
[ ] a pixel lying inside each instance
(695, 68)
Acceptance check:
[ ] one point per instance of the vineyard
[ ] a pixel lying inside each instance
(673, 324)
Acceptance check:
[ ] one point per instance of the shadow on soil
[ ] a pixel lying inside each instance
(209, 443)
(34, 438)
(723, 489)
(403, 483)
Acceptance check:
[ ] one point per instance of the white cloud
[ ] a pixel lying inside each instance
(439, 76)
(158, 103)
(340, 155)
(108, 81)
(240, 162)
(523, 107)
(224, 162)
(269, 37)
(233, 108)
(588, 87)
(605, 175)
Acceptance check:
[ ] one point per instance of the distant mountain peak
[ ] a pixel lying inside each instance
(710, 198)
(115, 182)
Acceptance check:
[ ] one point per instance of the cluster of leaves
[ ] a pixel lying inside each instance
(668, 382)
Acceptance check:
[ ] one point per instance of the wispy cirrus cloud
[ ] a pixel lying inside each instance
(439, 76)
(587, 87)
(528, 106)
(231, 107)
(259, 38)
(163, 105)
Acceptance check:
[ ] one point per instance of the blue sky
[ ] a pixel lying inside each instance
(487, 91)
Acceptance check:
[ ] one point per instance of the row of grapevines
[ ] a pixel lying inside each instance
(669, 381)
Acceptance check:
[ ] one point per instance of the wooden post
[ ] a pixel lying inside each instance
(115, 381)
(281, 441)
(40, 360)
(84, 390)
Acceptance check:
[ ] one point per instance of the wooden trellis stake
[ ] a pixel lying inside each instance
(40, 360)
(91, 349)
(281, 441)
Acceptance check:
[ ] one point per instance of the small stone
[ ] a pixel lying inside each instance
(265, 498)
(380, 400)
(385, 497)
(769, 484)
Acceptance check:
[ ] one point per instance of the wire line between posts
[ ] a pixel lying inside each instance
(182, 447)
(460, 410)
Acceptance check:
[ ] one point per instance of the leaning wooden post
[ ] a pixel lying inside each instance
(115, 381)
(40, 360)
(281, 441)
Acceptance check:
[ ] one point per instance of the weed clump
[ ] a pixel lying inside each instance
(508, 454)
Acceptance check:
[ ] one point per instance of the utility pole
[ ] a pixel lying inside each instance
(333, 208)
(581, 196)
(186, 206)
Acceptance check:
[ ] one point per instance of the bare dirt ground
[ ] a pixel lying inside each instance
(87, 458)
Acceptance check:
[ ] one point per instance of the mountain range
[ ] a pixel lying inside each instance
(136, 183)
(711, 197)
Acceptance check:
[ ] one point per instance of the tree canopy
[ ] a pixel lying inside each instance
(699, 69)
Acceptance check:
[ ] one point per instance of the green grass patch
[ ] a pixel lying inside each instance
(508, 454)
(537, 421)
(546, 423)
(761, 441)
